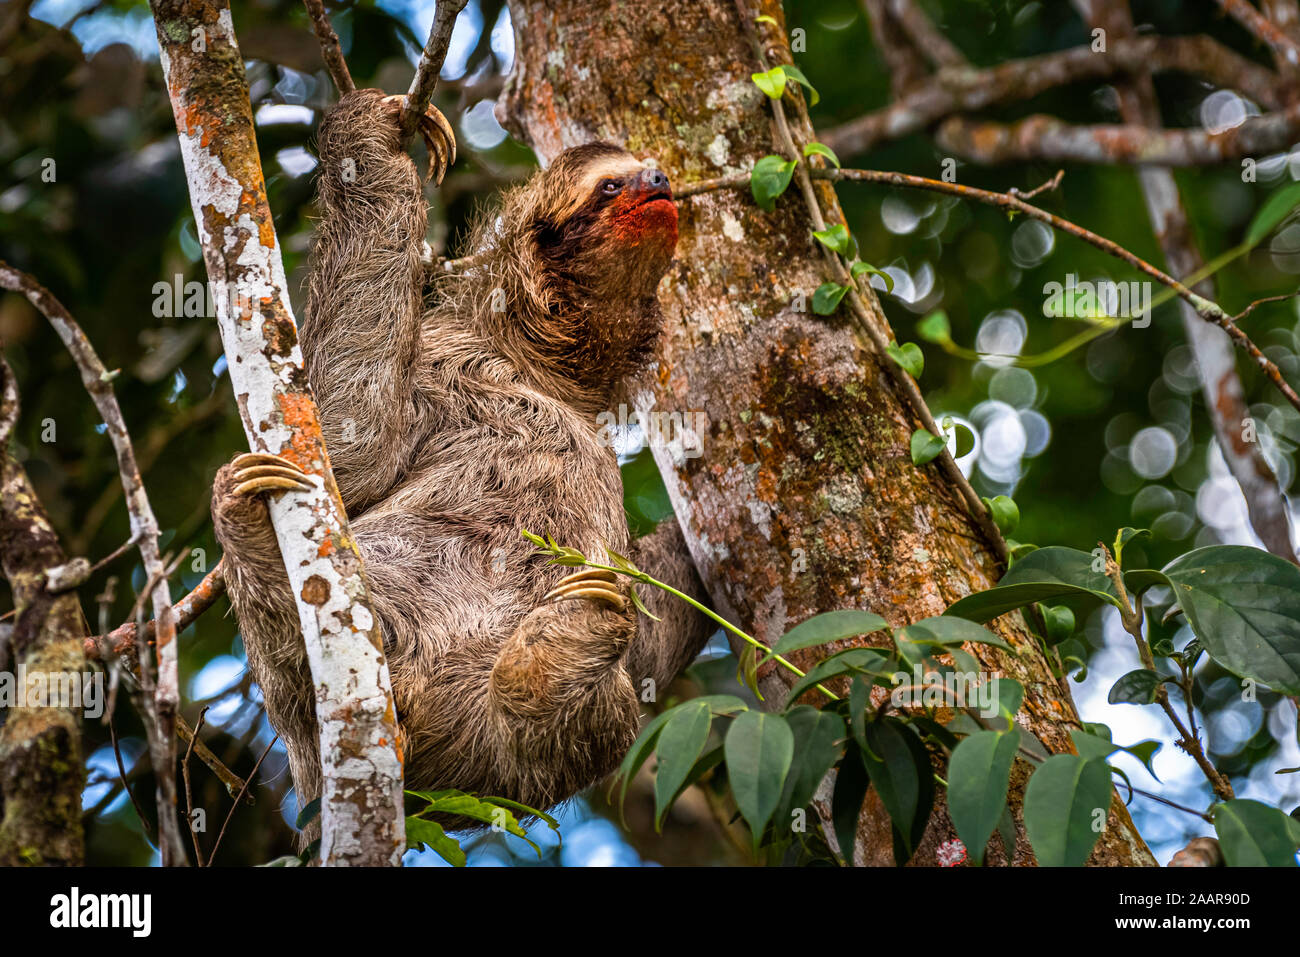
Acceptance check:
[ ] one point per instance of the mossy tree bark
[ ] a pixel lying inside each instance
(805, 498)
(41, 769)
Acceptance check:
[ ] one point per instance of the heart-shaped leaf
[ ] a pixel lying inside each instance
(770, 178)
(909, 356)
(1244, 606)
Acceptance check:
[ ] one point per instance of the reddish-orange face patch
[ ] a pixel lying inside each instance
(653, 221)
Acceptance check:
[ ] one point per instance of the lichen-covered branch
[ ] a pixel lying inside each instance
(162, 687)
(42, 773)
(934, 46)
(330, 49)
(123, 640)
(361, 806)
(965, 89)
(1048, 138)
(1285, 49)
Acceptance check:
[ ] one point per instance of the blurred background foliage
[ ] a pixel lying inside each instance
(1112, 434)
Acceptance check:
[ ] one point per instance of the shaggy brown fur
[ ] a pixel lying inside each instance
(450, 430)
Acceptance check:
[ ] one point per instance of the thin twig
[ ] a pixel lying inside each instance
(431, 60)
(1285, 50)
(122, 640)
(231, 813)
(1259, 302)
(967, 90)
(121, 770)
(189, 794)
(331, 50)
(160, 723)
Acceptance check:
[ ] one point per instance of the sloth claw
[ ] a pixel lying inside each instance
(593, 584)
(258, 472)
(437, 135)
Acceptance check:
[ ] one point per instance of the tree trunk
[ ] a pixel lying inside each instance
(805, 498)
(42, 772)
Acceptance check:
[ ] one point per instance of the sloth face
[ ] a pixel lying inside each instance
(612, 223)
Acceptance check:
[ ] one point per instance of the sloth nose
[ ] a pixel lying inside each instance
(654, 178)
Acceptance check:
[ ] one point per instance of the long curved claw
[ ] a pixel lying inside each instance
(594, 584)
(258, 472)
(438, 138)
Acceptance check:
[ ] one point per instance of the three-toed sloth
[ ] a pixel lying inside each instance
(454, 424)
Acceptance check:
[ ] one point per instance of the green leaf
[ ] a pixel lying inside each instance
(818, 744)
(965, 441)
(1065, 795)
(723, 703)
(306, 815)
(1010, 695)
(641, 749)
(551, 822)
(858, 268)
(1136, 687)
(794, 73)
(1126, 535)
(850, 661)
(1244, 605)
(851, 783)
(1145, 751)
(979, 772)
(1253, 834)
(640, 605)
(759, 750)
(680, 743)
(944, 630)
(1092, 746)
(894, 772)
(770, 178)
(827, 298)
(1044, 573)
(1007, 831)
(1275, 209)
(747, 670)
(909, 356)
(826, 627)
(834, 238)
(935, 328)
(925, 447)
(821, 149)
(859, 705)
(460, 804)
(1005, 513)
(771, 83)
(420, 832)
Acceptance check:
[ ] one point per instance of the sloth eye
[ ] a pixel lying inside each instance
(610, 186)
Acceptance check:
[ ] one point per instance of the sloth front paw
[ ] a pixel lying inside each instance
(592, 584)
(437, 134)
(259, 472)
